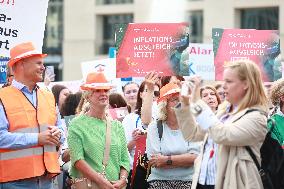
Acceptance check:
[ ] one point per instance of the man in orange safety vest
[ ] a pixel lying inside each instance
(30, 125)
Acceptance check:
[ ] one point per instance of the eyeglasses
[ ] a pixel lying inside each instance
(173, 99)
(156, 93)
(101, 90)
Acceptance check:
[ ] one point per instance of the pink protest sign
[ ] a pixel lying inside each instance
(145, 47)
(260, 46)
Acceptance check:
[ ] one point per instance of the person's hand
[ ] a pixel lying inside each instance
(196, 80)
(119, 184)
(151, 79)
(46, 81)
(136, 134)
(48, 78)
(195, 90)
(185, 100)
(158, 161)
(47, 138)
(55, 132)
(104, 183)
(66, 156)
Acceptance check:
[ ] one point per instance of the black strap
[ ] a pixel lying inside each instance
(160, 129)
(253, 157)
(136, 124)
(247, 147)
(252, 110)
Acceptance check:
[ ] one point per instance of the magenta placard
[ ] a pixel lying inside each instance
(147, 47)
(260, 46)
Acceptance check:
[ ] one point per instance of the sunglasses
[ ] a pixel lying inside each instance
(101, 90)
(173, 99)
(156, 93)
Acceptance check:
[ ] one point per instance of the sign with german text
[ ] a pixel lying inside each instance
(21, 21)
(198, 59)
(260, 46)
(107, 66)
(3, 69)
(142, 48)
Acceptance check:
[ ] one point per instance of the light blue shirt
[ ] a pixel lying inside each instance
(172, 143)
(22, 140)
(208, 168)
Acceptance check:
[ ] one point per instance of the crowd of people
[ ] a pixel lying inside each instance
(173, 137)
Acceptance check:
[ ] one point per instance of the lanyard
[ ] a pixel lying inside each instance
(138, 118)
(136, 124)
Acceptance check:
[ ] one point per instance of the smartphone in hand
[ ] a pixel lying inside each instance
(49, 72)
(184, 89)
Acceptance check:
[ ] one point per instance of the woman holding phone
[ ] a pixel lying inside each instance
(244, 126)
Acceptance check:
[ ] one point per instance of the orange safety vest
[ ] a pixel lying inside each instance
(23, 117)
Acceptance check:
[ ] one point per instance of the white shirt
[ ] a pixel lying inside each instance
(172, 143)
(130, 123)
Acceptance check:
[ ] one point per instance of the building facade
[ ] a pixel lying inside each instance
(87, 28)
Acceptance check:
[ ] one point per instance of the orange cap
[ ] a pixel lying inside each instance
(168, 90)
(96, 80)
(21, 51)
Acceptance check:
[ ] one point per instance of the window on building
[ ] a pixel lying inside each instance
(109, 29)
(53, 36)
(196, 26)
(260, 18)
(105, 2)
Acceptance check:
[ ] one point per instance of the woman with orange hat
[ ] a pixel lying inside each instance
(97, 144)
(171, 157)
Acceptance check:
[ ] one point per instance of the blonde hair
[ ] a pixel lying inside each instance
(255, 95)
(84, 105)
(162, 110)
(277, 91)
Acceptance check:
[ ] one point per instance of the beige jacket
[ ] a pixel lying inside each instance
(235, 167)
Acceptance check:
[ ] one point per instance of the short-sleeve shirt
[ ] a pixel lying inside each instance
(172, 143)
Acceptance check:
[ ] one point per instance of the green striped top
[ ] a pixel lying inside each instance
(86, 141)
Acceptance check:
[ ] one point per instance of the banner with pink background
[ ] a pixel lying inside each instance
(142, 48)
(260, 46)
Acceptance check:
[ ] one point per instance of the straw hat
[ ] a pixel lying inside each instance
(96, 80)
(168, 90)
(23, 50)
